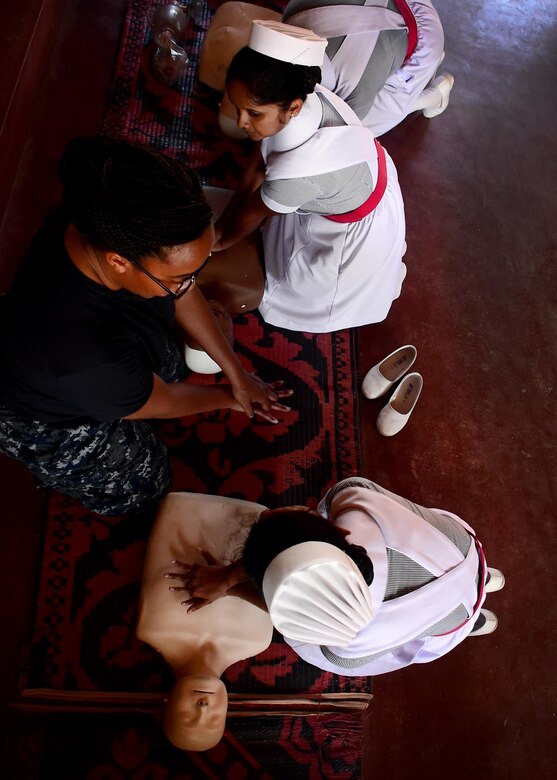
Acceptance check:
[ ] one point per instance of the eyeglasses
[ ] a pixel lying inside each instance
(182, 287)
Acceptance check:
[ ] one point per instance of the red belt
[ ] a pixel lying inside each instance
(375, 197)
(410, 22)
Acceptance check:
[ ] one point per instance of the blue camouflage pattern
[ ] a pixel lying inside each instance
(113, 468)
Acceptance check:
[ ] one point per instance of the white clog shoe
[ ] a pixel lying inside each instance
(487, 625)
(442, 86)
(388, 371)
(496, 580)
(200, 362)
(394, 416)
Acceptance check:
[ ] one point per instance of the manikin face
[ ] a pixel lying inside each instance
(179, 264)
(196, 712)
(257, 120)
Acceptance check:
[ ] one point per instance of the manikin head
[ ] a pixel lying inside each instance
(229, 30)
(195, 714)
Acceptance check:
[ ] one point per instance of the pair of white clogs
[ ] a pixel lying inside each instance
(394, 416)
(486, 622)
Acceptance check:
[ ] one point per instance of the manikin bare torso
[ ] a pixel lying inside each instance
(200, 645)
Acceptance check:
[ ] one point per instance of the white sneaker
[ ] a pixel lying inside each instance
(442, 85)
(394, 416)
(487, 626)
(496, 580)
(388, 371)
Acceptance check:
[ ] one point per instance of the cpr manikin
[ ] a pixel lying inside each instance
(200, 645)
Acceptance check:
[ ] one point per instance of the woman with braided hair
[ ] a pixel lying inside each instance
(88, 350)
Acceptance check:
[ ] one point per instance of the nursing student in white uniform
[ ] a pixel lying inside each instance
(333, 238)
(371, 584)
(382, 56)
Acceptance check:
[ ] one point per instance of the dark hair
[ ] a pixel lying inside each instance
(272, 81)
(129, 199)
(274, 533)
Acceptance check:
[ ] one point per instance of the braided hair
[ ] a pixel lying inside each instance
(131, 200)
(272, 534)
(272, 81)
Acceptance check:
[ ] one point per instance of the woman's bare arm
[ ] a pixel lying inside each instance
(249, 214)
(194, 316)
(243, 200)
(169, 400)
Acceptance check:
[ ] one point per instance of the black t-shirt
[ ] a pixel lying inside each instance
(71, 349)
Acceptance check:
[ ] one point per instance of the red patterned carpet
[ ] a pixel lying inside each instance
(84, 643)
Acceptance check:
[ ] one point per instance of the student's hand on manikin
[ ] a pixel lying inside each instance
(203, 583)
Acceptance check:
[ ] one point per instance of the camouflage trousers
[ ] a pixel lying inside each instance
(113, 468)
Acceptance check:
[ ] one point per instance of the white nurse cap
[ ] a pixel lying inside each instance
(315, 593)
(287, 43)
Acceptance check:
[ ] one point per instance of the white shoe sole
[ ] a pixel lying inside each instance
(489, 626)
(443, 84)
(200, 362)
(496, 580)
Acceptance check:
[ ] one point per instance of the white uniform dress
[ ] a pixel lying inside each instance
(362, 22)
(323, 275)
(428, 583)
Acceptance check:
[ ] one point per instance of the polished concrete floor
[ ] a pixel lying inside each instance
(479, 303)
